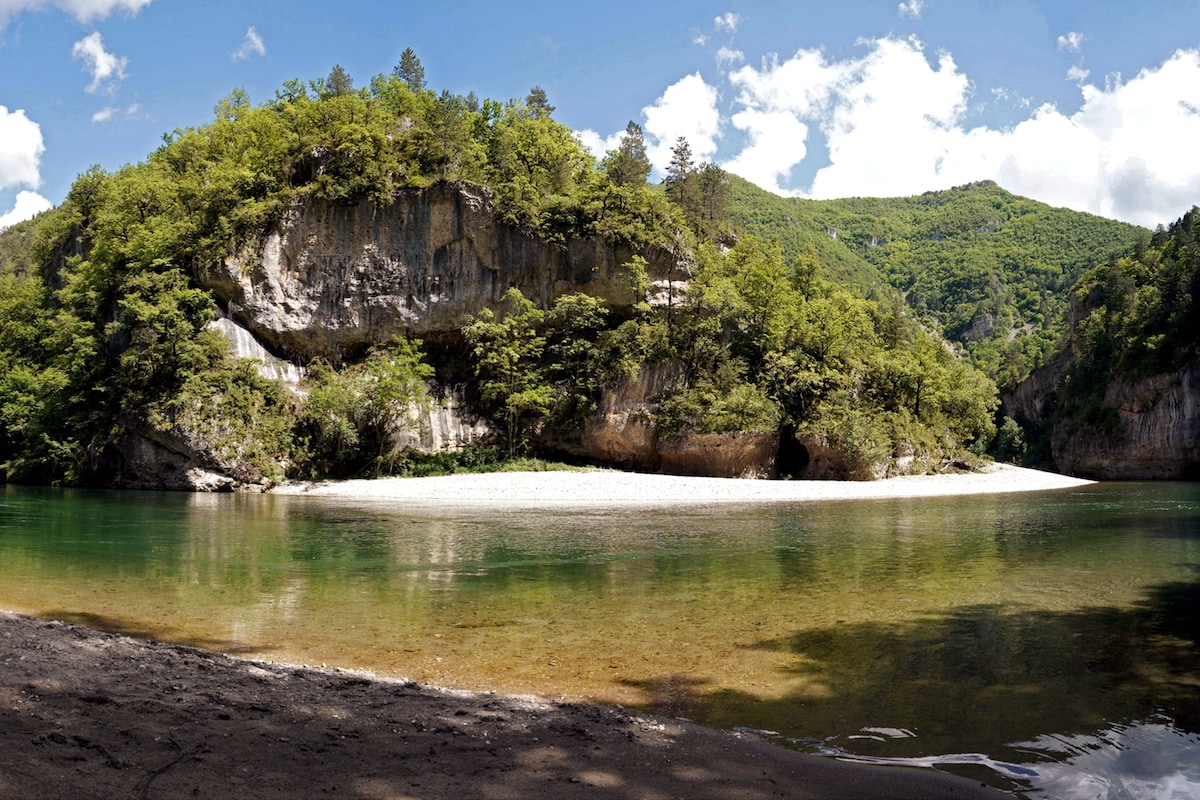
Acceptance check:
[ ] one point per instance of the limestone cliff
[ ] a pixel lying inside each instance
(329, 280)
(1150, 427)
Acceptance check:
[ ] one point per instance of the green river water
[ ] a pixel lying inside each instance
(1047, 643)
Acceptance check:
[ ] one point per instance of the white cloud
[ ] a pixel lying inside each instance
(596, 144)
(111, 113)
(894, 124)
(21, 149)
(1071, 42)
(82, 10)
(107, 70)
(729, 21)
(687, 108)
(252, 45)
(776, 145)
(1078, 74)
(913, 9)
(699, 38)
(28, 204)
(727, 55)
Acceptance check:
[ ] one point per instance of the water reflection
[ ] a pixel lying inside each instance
(944, 629)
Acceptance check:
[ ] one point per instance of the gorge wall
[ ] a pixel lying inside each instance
(329, 281)
(1150, 428)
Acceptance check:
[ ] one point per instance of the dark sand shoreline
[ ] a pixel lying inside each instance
(88, 714)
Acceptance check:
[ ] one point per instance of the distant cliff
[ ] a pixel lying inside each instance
(1122, 401)
(1146, 429)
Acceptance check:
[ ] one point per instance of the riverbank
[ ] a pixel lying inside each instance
(609, 487)
(85, 714)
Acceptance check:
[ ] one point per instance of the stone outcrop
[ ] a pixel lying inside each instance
(242, 344)
(330, 279)
(622, 432)
(448, 424)
(720, 455)
(143, 456)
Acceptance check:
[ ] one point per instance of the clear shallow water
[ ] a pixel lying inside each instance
(1045, 642)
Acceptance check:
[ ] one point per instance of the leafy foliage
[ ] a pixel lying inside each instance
(762, 345)
(1139, 316)
(351, 417)
(986, 268)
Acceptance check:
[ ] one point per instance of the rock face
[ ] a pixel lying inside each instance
(1153, 430)
(143, 456)
(720, 455)
(331, 279)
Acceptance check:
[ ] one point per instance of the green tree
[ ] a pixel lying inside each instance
(538, 105)
(628, 165)
(351, 417)
(336, 84)
(410, 70)
(507, 351)
(679, 183)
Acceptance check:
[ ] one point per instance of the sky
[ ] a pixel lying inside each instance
(1090, 105)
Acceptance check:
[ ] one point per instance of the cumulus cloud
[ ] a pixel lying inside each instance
(912, 9)
(252, 45)
(729, 21)
(1071, 42)
(596, 144)
(776, 145)
(687, 108)
(82, 10)
(106, 69)
(894, 123)
(28, 204)
(21, 149)
(1078, 74)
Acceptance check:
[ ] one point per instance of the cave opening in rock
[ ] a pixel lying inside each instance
(793, 457)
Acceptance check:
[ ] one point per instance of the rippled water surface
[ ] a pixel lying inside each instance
(1047, 642)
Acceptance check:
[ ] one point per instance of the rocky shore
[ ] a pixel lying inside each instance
(85, 714)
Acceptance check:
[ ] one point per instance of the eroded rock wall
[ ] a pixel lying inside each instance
(1154, 433)
(1151, 428)
(330, 280)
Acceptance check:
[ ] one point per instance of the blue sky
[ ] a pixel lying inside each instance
(1092, 105)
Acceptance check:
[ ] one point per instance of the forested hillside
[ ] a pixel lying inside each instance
(106, 335)
(986, 268)
(1120, 398)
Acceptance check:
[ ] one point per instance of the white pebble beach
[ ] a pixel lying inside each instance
(613, 487)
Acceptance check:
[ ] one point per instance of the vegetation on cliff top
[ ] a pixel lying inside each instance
(101, 322)
(1135, 316)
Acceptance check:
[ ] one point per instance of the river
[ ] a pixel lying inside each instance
(1046, 643)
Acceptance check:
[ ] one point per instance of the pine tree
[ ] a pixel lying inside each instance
(628, 165)
(539, 106)
(680, 181)
(410, 70)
